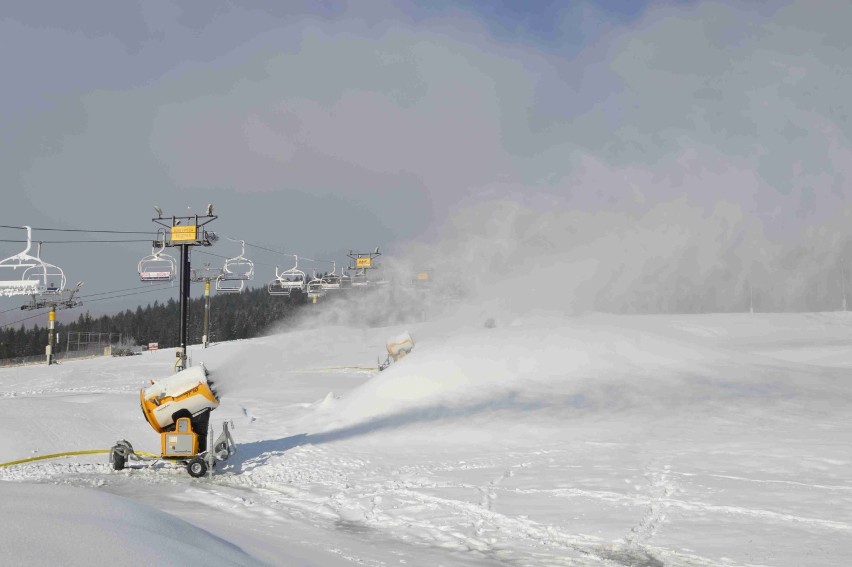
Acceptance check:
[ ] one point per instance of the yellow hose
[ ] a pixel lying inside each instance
(333, 368)
(68, 454)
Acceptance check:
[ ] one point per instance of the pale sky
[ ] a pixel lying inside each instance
(316, 128)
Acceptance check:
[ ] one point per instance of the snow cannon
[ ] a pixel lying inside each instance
(185, 394)
(399, 346)
(178, 408)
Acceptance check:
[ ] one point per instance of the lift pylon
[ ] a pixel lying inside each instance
(184, 232)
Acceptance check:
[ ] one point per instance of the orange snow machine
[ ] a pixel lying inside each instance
(178, 408)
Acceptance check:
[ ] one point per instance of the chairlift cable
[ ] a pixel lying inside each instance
(75, 241)
(160, 286)
(81, 230)
(285, 253)
(226, 258)
(11, 309)
(22, 320)
(149, 290)
(125, 295)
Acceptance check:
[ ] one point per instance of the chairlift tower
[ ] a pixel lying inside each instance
(184, 232)
(361, 262)
(206, 274)
(61, 299)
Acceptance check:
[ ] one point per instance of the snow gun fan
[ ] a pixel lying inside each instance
(178, 408)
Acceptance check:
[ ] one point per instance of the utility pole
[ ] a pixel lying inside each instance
(185, 232)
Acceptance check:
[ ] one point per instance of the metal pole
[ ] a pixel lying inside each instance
(205, 336)
(180, 354)
(51, 324)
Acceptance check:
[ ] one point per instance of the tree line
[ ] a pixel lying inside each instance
(232, 316)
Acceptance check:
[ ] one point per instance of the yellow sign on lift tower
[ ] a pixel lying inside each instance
(363, 262)
(184, 233)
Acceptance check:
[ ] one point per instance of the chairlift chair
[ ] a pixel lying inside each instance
(239, 267)
(35, 275)
(51, 278)
(288, 282)
(314, 287)
(359, 278)
(158, 266)
(205, 273)
(331, 281)
(228, 285)
(235, 272)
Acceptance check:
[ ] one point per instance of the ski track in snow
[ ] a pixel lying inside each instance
(395, 509)
(334, 492)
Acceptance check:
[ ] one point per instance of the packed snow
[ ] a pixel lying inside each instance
(536, 440)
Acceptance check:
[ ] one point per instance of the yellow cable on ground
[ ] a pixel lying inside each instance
(68, 454)
(332, 368)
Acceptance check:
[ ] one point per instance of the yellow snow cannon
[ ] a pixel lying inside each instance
(185, 394)
(397, 347)
(178, 408)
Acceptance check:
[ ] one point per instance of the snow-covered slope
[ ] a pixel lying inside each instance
(543, 440)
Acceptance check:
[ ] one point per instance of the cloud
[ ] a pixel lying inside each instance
(355, 127)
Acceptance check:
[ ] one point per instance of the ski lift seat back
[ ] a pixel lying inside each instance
(157, 266)
(36, 276)
(239, 267)
(275, 288)
(50, 278)
(228, 285)
(288, 282)
(331, 281)
(11, 288)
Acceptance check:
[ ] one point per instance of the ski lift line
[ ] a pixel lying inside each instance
(128, 294)
(226, 258)
(22, 320)
(283, 253)
(75, 241)
(149, 286)
(83, 230)
(91, 301)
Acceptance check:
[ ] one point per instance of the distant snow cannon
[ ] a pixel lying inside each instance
(178, 408)
(397, 347)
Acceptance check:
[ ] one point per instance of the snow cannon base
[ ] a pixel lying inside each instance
(180, 446)
(182, 442)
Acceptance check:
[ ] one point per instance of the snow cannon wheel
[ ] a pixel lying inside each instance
(119, 454)
(197, 467)
(118, 461)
